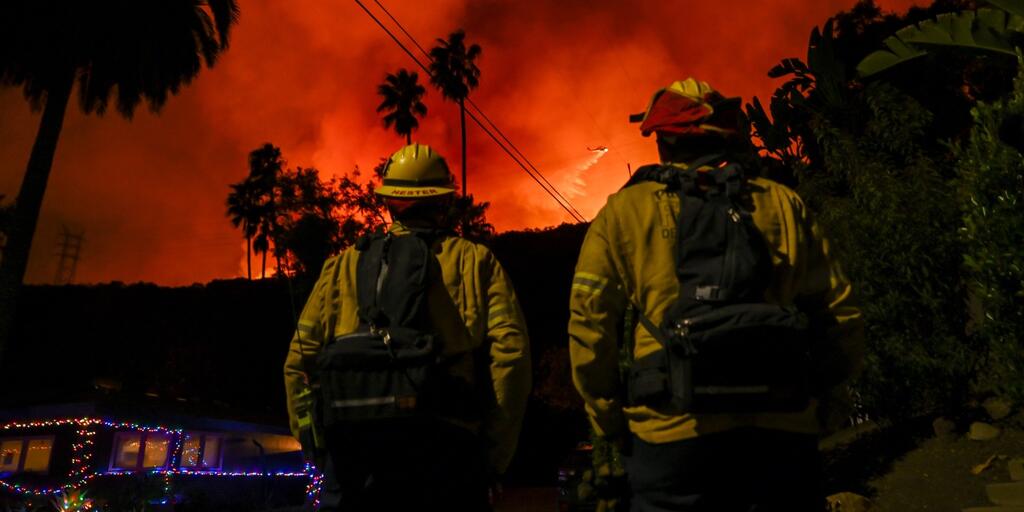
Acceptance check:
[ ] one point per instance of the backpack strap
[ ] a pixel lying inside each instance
(392, 275)
(673, 177)
(371, 270)
(659, 173)
(659, 334)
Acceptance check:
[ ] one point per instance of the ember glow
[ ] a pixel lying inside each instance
(557, 77)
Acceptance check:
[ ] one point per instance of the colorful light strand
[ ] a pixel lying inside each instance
(315, 485)
(82, 453)
(190, 472)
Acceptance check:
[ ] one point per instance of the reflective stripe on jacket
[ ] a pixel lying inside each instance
(485, 312)
(628, 257)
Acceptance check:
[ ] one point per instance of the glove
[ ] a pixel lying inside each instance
(308, 442)
(309, 436)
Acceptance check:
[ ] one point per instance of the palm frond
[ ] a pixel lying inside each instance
(225, 15)
(402, 101)
(452, 69)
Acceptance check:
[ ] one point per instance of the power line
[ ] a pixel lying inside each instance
(520, 153)
(400, 27)
(576, 213)
(553, 192)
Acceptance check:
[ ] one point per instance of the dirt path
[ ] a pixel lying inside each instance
(529, 499)
(936, 476)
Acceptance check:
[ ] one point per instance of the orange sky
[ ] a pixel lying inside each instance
(556, 77)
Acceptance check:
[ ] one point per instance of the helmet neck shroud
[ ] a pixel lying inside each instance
(426, 213)
(687, 149)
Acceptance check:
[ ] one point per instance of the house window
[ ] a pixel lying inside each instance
(37, 458)
(140, 450)
(201, 451)
(157, 449)
(10, 455)
(26, 455)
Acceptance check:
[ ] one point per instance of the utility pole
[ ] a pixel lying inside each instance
(70, 246)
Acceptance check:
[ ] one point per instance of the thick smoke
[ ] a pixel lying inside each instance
(557, 77)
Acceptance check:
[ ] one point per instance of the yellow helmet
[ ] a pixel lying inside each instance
(416, 171)
(689, 107)
(692, 88)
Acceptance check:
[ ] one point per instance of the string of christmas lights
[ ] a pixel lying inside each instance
(314, 486)
(86, 422)
(208, 472)
(82, 454)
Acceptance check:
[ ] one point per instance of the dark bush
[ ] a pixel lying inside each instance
(888, 205)
(991, 200)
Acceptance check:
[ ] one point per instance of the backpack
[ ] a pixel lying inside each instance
(391, 367)
(724, 349)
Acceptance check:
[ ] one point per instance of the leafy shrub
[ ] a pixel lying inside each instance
(991, 202)
(888, 206)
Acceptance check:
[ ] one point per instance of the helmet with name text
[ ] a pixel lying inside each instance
(416, 171)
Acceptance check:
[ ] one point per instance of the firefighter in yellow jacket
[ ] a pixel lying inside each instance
(677, 460)
(473, 309)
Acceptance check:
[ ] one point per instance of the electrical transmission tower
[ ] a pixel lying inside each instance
(70, 247)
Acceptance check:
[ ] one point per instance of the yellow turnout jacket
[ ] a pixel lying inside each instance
(475, 309)
(628, 256)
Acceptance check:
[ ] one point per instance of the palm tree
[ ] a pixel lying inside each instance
(454, 73)
(265, 171)
(402, 101)
(141, 50)
(244, 210)
(264, 230)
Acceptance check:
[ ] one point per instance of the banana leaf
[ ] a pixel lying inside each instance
(984, 30)
(1011, 6)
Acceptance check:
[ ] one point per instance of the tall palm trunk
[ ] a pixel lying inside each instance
(248, 253)
(408, 138)
(462, 114)
(263, 270)
(28, 204)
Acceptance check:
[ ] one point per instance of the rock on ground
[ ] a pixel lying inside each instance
(982, 432)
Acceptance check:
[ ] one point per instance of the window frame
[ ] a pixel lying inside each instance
(201, 456)
(141, 457)
(23, 454)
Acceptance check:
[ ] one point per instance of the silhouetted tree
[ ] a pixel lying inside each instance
(363, 209)
(469, 219)
(309, 241)
(309, 225)
(454, 72)
(265, 168)
(244, 210)
(402, 103)
(143, 50)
